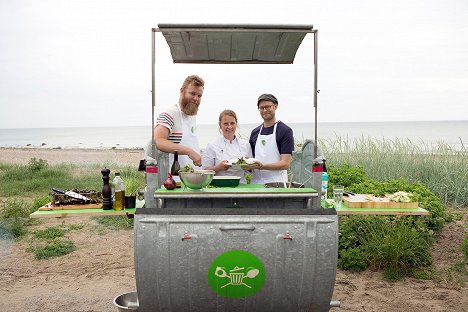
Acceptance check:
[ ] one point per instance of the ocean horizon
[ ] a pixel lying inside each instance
(452, 133)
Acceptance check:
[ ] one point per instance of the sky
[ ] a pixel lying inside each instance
(84, 63)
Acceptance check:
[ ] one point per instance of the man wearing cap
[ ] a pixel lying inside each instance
(272, 144)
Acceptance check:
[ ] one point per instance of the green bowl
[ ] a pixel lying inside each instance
(221, 181)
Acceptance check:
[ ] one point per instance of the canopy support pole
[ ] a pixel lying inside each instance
(153, 93)
(315, 32)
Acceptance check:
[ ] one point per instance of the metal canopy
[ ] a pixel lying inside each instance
(233, 44)
(238, 44)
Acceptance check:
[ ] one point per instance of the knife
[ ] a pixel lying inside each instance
(72, 194)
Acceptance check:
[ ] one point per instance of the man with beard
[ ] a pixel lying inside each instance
(272, 144)
(176, 127)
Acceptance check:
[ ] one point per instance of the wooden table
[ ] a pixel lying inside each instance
(96, 210)
(382, 211)
(48, 211)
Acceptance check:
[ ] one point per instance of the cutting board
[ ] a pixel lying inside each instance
(49, 207)
(359, 201)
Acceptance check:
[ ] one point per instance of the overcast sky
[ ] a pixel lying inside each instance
(66, 63)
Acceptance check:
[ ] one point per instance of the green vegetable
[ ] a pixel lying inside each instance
(400, 197)
(241, 161)
(186, 168)
(328, 203)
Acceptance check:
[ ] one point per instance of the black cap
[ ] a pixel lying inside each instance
(267, 97)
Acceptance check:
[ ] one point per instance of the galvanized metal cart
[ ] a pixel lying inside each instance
(251, 249)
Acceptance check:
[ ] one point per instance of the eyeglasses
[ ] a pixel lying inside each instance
(266, 107)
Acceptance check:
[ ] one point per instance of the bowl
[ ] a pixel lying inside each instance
(127, 302)
(197, 179)
(225, 181)
(281, 185)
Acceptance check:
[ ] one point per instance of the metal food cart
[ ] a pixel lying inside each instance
(248, 248)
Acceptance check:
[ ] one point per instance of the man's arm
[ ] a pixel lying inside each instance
(161, 134)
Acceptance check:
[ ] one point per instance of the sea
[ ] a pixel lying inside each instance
(425, 133)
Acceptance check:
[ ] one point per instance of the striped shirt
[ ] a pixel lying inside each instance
(170, 118)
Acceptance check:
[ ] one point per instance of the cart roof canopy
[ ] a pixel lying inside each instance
(239, 44)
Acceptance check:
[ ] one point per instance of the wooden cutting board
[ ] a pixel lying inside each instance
(49, 207)
(359, 201)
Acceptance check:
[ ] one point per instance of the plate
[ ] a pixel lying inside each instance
(247, 166)
(225, 181)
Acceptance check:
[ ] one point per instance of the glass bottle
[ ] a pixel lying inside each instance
(119, 192)
(175, 169)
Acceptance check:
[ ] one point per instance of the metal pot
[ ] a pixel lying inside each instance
(127, 302)
(281, 185)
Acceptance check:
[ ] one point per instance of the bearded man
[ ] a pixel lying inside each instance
(176, 127)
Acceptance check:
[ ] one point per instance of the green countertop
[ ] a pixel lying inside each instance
(80, 213)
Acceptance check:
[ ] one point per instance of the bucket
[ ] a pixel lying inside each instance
(127, 302)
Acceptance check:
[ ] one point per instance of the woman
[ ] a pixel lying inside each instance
(227, 147)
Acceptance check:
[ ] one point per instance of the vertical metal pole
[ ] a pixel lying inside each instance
(153, 93)
(315, 88)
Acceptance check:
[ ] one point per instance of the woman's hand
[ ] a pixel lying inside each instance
(222, 166)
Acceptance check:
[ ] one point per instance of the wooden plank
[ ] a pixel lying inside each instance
(49, 207)
(380, 211)
(79, 213)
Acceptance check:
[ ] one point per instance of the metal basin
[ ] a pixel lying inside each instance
(127, 302)
(197, 179)
(281, 185)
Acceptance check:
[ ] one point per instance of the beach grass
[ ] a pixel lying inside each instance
(441, 167)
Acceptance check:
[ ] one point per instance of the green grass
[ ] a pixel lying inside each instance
(55, 248)
(114, 222)
(50, 233)
(20, 180)
(440, 167)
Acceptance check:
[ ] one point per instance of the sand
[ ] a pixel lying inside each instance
(73, 156)
(102, 267)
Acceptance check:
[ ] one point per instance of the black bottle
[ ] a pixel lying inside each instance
(175, 169)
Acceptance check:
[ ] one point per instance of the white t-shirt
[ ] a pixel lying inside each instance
(222, 149)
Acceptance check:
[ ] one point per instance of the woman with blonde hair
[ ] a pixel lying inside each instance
(226, 147)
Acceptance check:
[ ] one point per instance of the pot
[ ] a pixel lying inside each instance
(281, 185)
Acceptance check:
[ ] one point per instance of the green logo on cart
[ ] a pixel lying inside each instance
(236, 274)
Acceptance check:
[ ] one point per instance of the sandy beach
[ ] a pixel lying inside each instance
(102, 267)
(73, 156)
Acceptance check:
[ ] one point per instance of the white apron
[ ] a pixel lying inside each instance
(189, 139)
(266, 151)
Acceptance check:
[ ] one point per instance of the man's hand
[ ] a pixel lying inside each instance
(195, 157)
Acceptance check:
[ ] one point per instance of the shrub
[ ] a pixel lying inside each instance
(14, 208)
(396, 245)
(352, 259)
(11, 228)
(464, 247)
(37, 164)
(41, 201)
